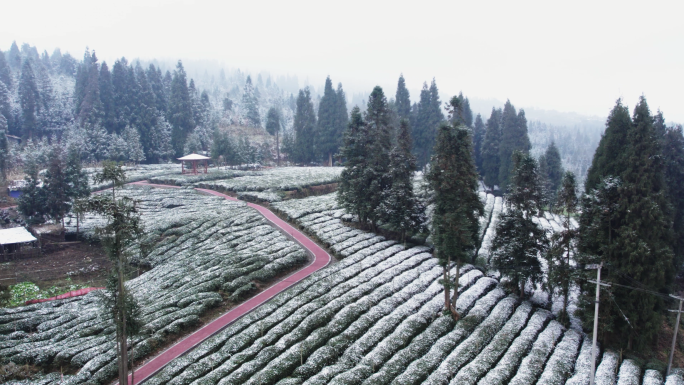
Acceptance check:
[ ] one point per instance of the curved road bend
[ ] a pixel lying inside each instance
(321, 259)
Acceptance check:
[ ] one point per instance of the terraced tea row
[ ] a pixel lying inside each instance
(203, 245)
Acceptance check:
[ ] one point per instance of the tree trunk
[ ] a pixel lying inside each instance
(446, 287)
(278, 148)
(122, 311)
(330, 159)
(522, 288)
(454, 298)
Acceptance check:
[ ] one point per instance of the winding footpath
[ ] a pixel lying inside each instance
(321, 259)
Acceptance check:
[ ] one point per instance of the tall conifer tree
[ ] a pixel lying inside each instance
(380, 132)
(328, 133)
(428, 116)
(402, 99)
(180, 110)
(513, 138)
(452, 178)
(491, 163)
(478, 138)
(107, 99)
(273, 128)
(353, 186)
(28, 99)
(304, 126)
(250, 103)
(5, 72)
(673, 158)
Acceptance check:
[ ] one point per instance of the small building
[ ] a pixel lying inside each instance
(194, 159)
(17, 241)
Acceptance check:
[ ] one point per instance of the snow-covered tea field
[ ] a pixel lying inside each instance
(375, 318)
(281, 178)
(203, 245)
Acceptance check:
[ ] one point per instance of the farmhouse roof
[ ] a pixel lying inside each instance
(194, 157)
(15, 235)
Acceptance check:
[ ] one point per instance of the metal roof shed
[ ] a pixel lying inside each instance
(12, 239)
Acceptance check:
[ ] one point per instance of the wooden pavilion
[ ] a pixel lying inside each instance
(194, 159)
(12, 240)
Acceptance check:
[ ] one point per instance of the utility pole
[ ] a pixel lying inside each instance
(596, 311)
(674, 338)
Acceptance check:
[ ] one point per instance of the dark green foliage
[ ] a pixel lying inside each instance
(673, 158)
(518, 238)
(478, 140)
(223, 148)
(554, 167)
(121, 233)
(465, 114)
(452, 180)
(32, 200)
(5, 72)
(76, 179)
(379, 131)
(513, 138)
(563, 245)
(304, 126)
(402, 99)
(250, 103)
(14, 56)
(180, 110)
(144, 116)
(107, 99)
(4, 149)
(626, 224)
(399, 208)
(490, 149)
(331, 122)
(353, 186)
(55, 186)
(90, 110)
(154, 77)
(428, 115)
(273, 128)
(609, 158)
(5, 108)
(28, 99)
(120, 90)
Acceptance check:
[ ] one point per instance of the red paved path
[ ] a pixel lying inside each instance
(321, 259)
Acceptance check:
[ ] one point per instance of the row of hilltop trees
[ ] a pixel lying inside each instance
(631, 214)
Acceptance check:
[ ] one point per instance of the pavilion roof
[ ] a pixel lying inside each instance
(15, 235)
(194, 157)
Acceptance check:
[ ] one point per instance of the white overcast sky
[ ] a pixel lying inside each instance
(569, 56)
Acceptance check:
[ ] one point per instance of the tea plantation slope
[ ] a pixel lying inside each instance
(203, 244)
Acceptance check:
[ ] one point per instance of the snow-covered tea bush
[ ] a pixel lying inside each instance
(280, 178)
(202, 244)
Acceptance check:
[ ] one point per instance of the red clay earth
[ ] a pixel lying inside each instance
(321, 259)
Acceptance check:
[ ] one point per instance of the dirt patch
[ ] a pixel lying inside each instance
(83, 262)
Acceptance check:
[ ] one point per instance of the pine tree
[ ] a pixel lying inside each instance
(76, 178)
(32, 201)
(154, 77)
(544, 181)
(518, 238)
(400, 209)
(5, 72)
(180, 110)
(563, 245)
(145, 113)
(353, 187)
(28, 99)
(250, 103)
(428, 116)
(304, 126)
(107, 99)
(513, 138)
(14, 56)
(555, 167)
(161, 137)
(609, 157)
(377, 118)
(90, 111)
(673, 158)
(223, 148)
(402, 99)
(5, 106)
(4, 150)
(478, 138)
(330, 126)
(465, 114)
(122, 110)
(452, 179)
(55, 186)
(341, 116)
(273, 128)
(134, 149)
(491, 162)
(628, 228)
